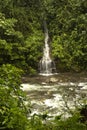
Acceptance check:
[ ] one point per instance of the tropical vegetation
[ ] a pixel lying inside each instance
(21, 48)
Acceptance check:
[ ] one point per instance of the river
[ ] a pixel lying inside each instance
(56, 95)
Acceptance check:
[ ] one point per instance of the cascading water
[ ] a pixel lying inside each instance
(47, 66)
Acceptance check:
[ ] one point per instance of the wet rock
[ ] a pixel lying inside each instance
(53, 80)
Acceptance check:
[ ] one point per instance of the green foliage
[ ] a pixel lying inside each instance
(21, 33)
(38, 123)
(21, 44)
(68, 31)
(13, 113)
(71, 123)
(5, 51)
(7, 29)
(34, 48)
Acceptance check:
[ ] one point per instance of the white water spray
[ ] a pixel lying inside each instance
(47, 66)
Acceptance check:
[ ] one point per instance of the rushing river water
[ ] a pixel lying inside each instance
(55, 95)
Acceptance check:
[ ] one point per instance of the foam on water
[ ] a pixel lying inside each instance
(55, 99)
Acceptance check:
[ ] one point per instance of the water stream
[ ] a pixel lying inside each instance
(47, 65)
(56, 98)
(55, 94)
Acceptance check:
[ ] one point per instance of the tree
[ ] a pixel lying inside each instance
(13, 112)
(21, 25)
(67, 24)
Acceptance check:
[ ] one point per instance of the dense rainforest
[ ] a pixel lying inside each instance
(21, 48)
(22, 33)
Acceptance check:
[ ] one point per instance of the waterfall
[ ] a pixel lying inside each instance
(47, 66)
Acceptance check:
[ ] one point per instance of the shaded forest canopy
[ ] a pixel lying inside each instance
(22, 34)
(21, 48)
